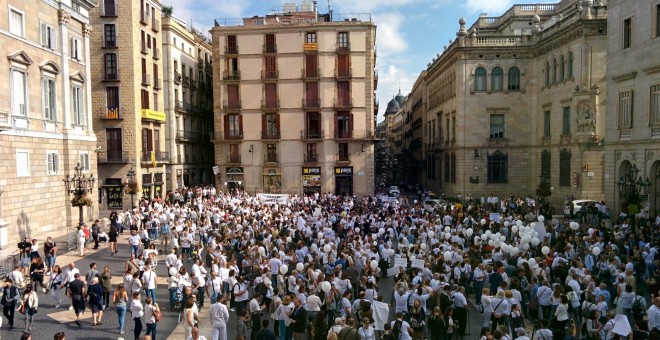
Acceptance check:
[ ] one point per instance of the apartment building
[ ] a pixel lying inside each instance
(296, 105)
(187, 76)
(633, 103)
(127, 100)
(516, 100)
(45, 114)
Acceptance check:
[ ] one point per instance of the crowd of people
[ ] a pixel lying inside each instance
(322, 267)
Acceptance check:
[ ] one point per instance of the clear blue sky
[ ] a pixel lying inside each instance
(410, 32)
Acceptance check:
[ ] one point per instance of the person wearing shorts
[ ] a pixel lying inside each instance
(77, 294)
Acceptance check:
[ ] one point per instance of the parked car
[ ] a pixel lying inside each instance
(577, 207)
(394, 190)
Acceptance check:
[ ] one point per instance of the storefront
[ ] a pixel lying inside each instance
(344, 180)
(235, 178)
(311, 179)
(114, 193)
(158, 185)
(272, 180)
(147, 186)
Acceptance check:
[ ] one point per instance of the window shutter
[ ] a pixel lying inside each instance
(630, 108)
(350, 125)
(264, 124)
(226, 125)
(53, 38)
(44, 98)
(277, 126)
(81, 107)
(44, 34)
(336, 124)
(240, 126)
(51, 99)
(56, 162)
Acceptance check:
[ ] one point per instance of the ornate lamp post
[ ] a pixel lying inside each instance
(633, 191)
(80, 186)
(131, 186)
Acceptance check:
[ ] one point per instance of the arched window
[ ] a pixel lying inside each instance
(554, 70)
(561, 68)
(497, 79)
(480, 79)
(498, 167)
(514, 79)
(547, 73)
(570, 66)
(565, 168)
(453, 167)
(546, 164)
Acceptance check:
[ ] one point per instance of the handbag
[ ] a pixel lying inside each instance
(22, 309)
(157, 314)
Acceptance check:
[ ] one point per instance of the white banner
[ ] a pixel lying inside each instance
(268, 199)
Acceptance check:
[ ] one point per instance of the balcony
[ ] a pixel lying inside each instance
(344, 134)
(231, 75)
(343, 73)
(311, 73)
(193, 84)
(143, 17)
(155, 24)
(271, 158)
(231, 49)
(231, 104)
(185, 81)
(146, 79)
(177, 78)
(376, 106)
(233, 135)
(207, 65)
(111, 77)
(311, 103)
(311, 134)
(113, 157)
(375, 80)
(342, 103)
(342, 158)
(269, 49)
(270, 75)
(5, 120)
(158, 156)
(343, 47)
(157, 83)
(270, 134)
(156, 53)
(270, 104)
(111, 113)
(310, 157)
(234, 159)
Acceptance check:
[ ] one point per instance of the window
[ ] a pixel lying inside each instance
(566, 121)
(498, 167)
(562, 67)
(83, 159)
(313, 125)
(310, 37)
(74, 46)
(271, 125)
(108, 8)
(155, 102)
(343, 125)
(16, 24)
(654, 112)
(22, 163)
(497, 79)
(343, 151)
(48, 99)
(565, 168)
(114, 144)
(53, 163)
(112, 97)
(627, 33)
(554, 70)
(657, 20)
(514, 79)
(78, 105)
(232, 45)
(342, 40)
(496, 126)
(569, 74)
(480, 79)
(453, 167)
(546, 123)
(147, 140)
(625, 109)
(547, 73)
(110, 35)
(546, 159)
(233, 126)
(18, 93)
(48, 36)
(271, 46)
(446, 170)
(111, 66)
(271, 153)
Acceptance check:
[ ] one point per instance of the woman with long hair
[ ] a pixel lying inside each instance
(437, 325)
(320, 326)
(105, 281)
(137, 311)
(417, 317)
(37, 270)
(56, 284)
(112, 239)
(119, 299)
(150, 310)
(30, 305)
(561, 318)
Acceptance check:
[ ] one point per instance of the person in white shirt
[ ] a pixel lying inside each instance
(521, 334)
(134, 241)
(214, 287)
(137, 311)
(81, 240)
(654, 316)
(543, 332)
(199, 272)
(149, 277)
(219, 316)
(401, 328)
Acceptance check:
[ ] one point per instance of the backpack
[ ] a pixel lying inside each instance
(638, 307)
(586, 312)
(396, 330)
(261, 288)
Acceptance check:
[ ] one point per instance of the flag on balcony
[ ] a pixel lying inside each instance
(153, 159)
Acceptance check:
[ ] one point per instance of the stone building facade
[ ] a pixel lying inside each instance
(515, 100)
(127, 97)
(45, 114)
(187, 77)
(295, 104)
(633, 107)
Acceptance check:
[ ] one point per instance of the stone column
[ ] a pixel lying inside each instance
(63, 19)
(87, 30)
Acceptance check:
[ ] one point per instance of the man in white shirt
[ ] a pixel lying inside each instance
(241, 296)
(543, 332)
(149, 281)
(654, 316)
(134, 241)
(69, 276)
(256, 309)
(275, 264)
(460, 310)
(214, 286)
(218, 315)
(400, 328)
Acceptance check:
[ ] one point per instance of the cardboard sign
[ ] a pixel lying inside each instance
(495, 217)
(393, 271)
(417, 263)
(401, 262)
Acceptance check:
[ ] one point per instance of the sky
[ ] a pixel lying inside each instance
(409, 32)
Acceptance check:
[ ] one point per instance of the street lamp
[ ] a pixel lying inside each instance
(131, 185)
(79, 185)
(633, 186)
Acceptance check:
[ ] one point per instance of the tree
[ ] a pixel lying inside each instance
(167, 11)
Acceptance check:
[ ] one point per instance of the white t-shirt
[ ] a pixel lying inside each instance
(149, 278)
(134, 240)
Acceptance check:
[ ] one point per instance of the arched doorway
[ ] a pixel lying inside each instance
(654, 194)
(623, 189)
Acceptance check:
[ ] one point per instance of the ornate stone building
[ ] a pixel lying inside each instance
(518, 99)
(45, 114)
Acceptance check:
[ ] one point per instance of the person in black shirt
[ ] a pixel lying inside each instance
(77, 294)
(50, 252)
(9, 297)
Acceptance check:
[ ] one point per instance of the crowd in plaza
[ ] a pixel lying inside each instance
(311, 268)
